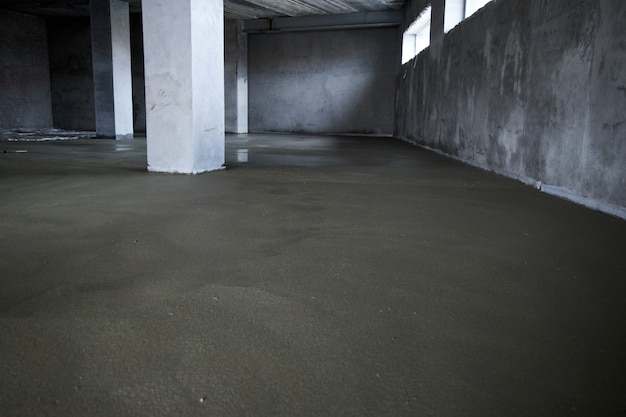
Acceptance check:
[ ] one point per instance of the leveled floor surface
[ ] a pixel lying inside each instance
(315, 276)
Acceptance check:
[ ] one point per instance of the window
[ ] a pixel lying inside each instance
(472, 6)
(417, 36)
(454, 14)
(457, 10)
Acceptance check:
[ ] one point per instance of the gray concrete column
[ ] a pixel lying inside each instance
(184, 70)
(113, 93)
(242, 79)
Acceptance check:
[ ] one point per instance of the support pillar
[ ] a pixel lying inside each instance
(112, 75)
(184, 72)
(242, 79)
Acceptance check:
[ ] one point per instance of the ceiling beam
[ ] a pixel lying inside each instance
(324, 22)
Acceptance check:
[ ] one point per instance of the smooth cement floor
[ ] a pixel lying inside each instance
(316, 276)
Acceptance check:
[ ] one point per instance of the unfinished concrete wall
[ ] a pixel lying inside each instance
(24, 74)
(535, 90)
(230, 73)
(335, 81)
(139, 93)
(71, 73)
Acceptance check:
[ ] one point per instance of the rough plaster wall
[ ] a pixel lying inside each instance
(71, 73)
(139, 93)
(230, 73)
(534, 90)
(24, 75)
(603, 154)
(338, 81)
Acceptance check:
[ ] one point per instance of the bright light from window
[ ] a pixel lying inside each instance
(458, 10)
(417, 36)
(472, 6)
(454, 14)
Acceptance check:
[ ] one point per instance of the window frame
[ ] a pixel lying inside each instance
(416, 37)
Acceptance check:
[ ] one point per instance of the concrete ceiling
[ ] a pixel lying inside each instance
(249, 9)
(237, 9)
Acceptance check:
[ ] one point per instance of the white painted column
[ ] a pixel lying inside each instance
(242, 79)
(184, 71)
(113, 90)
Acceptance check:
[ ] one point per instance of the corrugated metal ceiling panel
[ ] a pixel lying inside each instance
(248, 9)
(237, 9)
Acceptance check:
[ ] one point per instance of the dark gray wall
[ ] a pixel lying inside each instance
(139, 91)
(230, 73)
(72, 76)
(71, 73)
(24, 75)
(336, 81)
(534, 89)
